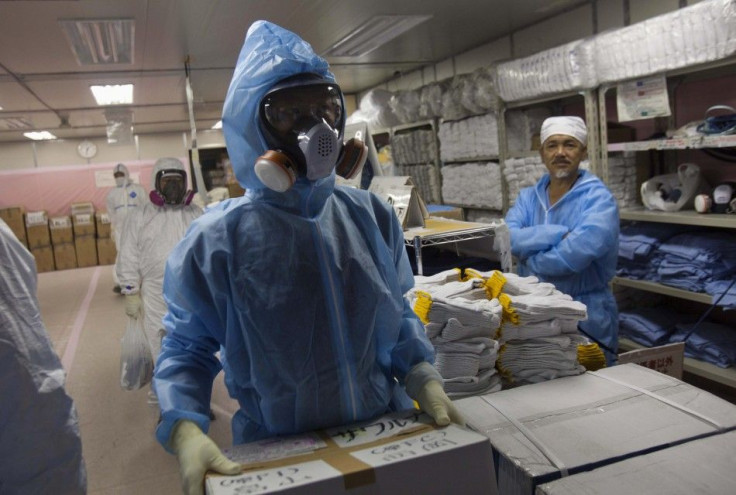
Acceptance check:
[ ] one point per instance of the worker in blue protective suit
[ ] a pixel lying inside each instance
(564, 230)
(40, 447)
(299, 284)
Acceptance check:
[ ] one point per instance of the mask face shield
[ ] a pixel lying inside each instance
(171, 184)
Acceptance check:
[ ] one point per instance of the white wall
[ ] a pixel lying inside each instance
(63, 152)
(575, 24)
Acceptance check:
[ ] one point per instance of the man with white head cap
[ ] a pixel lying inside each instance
(149, 234)
(124, 197)
(564, 229)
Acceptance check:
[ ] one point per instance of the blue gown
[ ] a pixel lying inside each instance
(574, 245)
(301, 292)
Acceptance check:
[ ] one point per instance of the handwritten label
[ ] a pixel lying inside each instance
(269, 480)
(384, 427)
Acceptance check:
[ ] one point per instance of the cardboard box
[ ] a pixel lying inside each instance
(13, 216)
(106, 252)
(700, 466)
(668, 359)
(37, 229)
(83, 208)
(400, 453)
(44, 258)
(61, 230)
(84, 224)
(86, 247)
(65, 256)
(444, 211)
(102, 222)
(582, 422)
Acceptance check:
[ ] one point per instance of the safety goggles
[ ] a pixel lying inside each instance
(294, 109)
(164, 177)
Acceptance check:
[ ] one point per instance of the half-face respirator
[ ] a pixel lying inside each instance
(302, 120)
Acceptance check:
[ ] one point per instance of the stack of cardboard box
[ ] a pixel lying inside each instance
(13, 216)
(39, 240)
(106, 251)
(83, 221)
(62, 240)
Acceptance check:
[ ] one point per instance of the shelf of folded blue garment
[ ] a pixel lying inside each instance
(664, 289)
(684, 217)
(726, 376)
(680, 143)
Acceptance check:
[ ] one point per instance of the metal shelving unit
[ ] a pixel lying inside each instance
(664, 289)
(687, 217)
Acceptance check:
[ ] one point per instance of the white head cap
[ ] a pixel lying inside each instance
(569, 126)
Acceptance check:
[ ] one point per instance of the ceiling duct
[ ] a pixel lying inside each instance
(100, 41)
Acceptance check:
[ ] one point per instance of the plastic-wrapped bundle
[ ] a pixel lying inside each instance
(430, 100)
(473, 184)
(469, 138)
(375, 109)
(622, 179)
(563, 68)
(405, 105)
(696, 34)
(485, 95)
(414, 147)
(452, 106)
(521, 173)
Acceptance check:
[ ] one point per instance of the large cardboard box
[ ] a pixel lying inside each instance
(13, 216)
(84, 224)
(399, 454)
(102, 222)
(65, 256)
(106, 251)
(61, 230)
(37, 229)
(578, 423)
(86, 247)
(44, 258)
(701, 466)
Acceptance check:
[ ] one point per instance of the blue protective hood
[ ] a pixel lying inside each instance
(270, 53)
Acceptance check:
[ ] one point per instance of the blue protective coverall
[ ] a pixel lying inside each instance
(572, 244)
(40, 447)
(302, 291)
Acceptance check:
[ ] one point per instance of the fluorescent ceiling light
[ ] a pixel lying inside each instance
(374, 33)
(218, 125)
(100, 41)
(117, 94)
(39, 135)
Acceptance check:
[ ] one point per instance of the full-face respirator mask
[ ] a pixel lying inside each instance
(302, 119)
(170, 188)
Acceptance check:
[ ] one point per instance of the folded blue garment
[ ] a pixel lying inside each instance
(711, 342)
(651, 326)
(717, 287)
(704, 247)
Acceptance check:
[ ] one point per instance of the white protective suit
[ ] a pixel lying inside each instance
(40, 448)
(123, 199)
(149, 234)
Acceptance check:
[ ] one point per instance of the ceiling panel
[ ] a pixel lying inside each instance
(41, 80)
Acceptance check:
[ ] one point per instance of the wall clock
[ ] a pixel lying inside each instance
(87, 149)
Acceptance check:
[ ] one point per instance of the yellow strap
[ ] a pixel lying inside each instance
(494, 284)
(591, 356)
(422, 306)
(508, 312)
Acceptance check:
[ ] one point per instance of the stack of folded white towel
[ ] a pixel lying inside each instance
(622, 178)
(469, 138)
(527, 327)
(460, 322)
(539, 337)
(473, 184)
(521, 173)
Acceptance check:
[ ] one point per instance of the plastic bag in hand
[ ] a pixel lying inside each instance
(136, 363)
